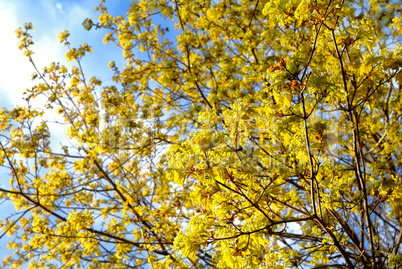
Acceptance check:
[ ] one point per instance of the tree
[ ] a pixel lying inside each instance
(258, 134)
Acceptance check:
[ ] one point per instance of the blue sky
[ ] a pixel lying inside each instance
(49, 18)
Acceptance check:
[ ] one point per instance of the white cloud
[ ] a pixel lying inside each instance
(49, 17)
(15, 69)
(59, 6)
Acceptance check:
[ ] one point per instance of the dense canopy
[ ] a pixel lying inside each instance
(238, 134)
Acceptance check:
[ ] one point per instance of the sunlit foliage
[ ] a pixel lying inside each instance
(238, 134)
